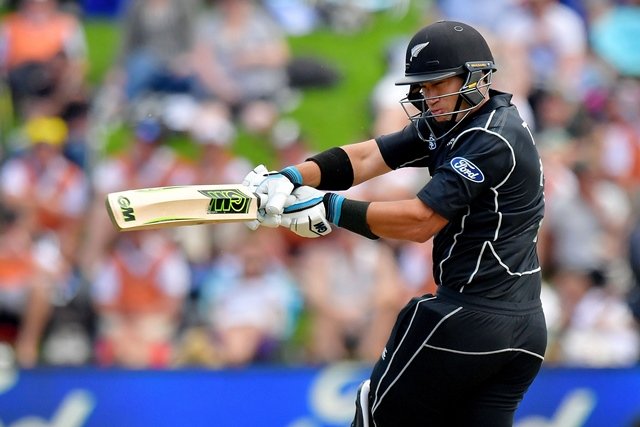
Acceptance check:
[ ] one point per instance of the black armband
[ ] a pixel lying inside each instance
(348, 214)
(336, 172)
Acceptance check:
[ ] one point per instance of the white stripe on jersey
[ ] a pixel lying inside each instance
(496, 210)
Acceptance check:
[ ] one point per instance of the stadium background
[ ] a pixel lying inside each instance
(280, 393)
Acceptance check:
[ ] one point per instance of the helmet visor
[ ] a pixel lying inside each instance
(427, 77)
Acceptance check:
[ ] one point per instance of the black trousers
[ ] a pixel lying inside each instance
(455, 360)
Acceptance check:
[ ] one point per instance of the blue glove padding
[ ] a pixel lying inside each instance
(305, 214)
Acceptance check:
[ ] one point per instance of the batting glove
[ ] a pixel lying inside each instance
(275, 185)
(273, 189)
(305, 213)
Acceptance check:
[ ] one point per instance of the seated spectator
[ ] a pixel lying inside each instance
(595, 327)
(27, 276)
(43, 56)
(240, 59)
(618, 135)
(76, 147)
(555, 39)
(633, 242)
(156, 39)
(146, 162)
(614, 32)
(215, 163)
(249, 300)
(138, 292)
(47, 187)
(351, 288)
(584, 229)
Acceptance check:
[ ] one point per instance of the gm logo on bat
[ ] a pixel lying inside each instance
(126, 209)
(227, 201)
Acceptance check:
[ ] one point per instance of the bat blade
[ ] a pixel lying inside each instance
(160, 207)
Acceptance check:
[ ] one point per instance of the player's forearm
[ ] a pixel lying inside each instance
(404, 220)
(310, 173)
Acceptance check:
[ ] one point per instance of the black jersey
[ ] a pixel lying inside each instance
(487, 180)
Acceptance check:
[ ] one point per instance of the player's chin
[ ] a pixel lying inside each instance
(442, 118)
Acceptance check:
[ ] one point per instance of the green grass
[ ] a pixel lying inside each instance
(328, 116)
(103, 40)
(342, 114)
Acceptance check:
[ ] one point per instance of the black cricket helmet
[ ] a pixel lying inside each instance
(445, 49)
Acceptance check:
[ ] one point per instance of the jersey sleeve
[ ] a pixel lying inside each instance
(404, 148)
(477, 162)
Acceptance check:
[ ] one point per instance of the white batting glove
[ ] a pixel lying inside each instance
(272, 184)
(252, 180)
(305, 215)
(273, 189)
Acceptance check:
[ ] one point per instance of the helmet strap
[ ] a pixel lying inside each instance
(454, 116)
(416, 98)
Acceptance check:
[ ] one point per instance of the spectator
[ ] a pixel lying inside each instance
(595, 327)
(138, 292)
(350, 288)
(146, 162)
(555, 39)
(249, 300)
(156, 39)
(618, 135)
(46, 187)
(584, 230)
(215, 163)
(634, 262)
(43, 55)
(76, 147)
(241, 59)
(27, 276)
(615, 30)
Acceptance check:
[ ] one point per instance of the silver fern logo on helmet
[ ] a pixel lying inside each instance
(415, 51)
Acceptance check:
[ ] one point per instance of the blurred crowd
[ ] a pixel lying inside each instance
(74, 292)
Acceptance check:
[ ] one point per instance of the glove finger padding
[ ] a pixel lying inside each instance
(306, 215)
(267, 219)
(254, 178)
(274, 185)
(277, 188)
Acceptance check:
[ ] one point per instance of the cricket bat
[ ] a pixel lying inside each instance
(159, 207)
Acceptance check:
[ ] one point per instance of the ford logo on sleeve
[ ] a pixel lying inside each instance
(467, 169)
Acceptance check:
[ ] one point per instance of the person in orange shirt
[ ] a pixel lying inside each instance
(138, 293)
(146, 162)
(43, 56)
(45, 186)
(26, 279)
